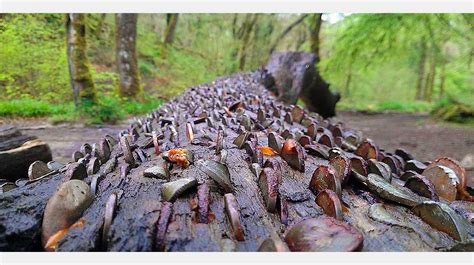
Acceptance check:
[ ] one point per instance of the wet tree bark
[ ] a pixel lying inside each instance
(141, 204)
(126, 54)
(79, 66)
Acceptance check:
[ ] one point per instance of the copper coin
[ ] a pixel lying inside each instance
(328, 200)
(324, 177)
(342, 166)
(323, 234)
(233, 216)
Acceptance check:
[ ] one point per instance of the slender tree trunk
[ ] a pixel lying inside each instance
(421, 72)
(126, 54)
(348, 82)
(315, 27)
(171, 23)
(248, 26)
(442, 79)
(286, 31)
(301, 40)
(79, 65)
(429, 83)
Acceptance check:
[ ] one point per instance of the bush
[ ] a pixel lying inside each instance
(449, 109)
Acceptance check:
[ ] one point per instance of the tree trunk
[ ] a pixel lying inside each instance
(171, 23)
(126, 54)
(315, 27)
(421, 72)
(78, 61)
(442, 79)
(247, 27)
(286, 31)
(144, 222)
(429, 83)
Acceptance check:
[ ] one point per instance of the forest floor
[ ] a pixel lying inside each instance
(424, 137)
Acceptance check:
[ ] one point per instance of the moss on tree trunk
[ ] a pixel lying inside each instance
(79, 65)
(126, 54)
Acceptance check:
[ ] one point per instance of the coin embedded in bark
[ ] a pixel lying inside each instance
(273, 244)
(326, 139)
(268, 183)
(203, 203)
(156, 172)
(297, 113)
(444, 180)
(385, 190)
(171, 190)
(415, 165)
(323, 234)
(407, 174)
(293, 154)
(460, 173)
(318, 150)
(110, 207)
(189, 132)
(76, 156)
(219, 173)
(393, 163)
(38, 169)
(104, 150)
(359, 165)
(86, 148)
(93, 166)
(422, 186)
(6, 186)
(233, 216)
(403, 154)
(241, 139)
(110, 140)
(219, 141)
(65, 207)
(155, 142)
(54, 165)
(260, 115)
(305, 140)
(441, 217)
(127, 152)
(324, 177)
(367, 150)
(342, 167)
(380, 168)
(275, 141)
(76, 171)
(288, 118)
(162, 225)
(329, 201)
(124, 169)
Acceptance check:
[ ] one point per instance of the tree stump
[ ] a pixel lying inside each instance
(18, 151)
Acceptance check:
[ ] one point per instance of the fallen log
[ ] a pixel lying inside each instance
(18, 151)
(224, 205)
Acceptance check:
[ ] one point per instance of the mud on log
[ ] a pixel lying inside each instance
(18, 151)
(185, 202)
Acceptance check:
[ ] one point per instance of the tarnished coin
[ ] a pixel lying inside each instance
(324, 177)
(65, 207)
(293, 154)
(76, 171)
(86, 148)
(326, 139)
(171, 190)
(422, 186)
(241, 139)
(297, 113)
(219, 173)
(269, 183)
(441, 217)
(342, 167)
(54, 165)
(93, 166)
(329, 201)
(273, 244)
(104, 150)
(156, 172)
(407, 174)
(380, 168)
(233, 216)
(219, 141)
(359, 165)
(305, 140)
(444, 180)
(38, 169)
(110, 207)
(323, 234)
(6, 186)
(275, 141)
(189, 132)
(317, 149)
(76, 156)
(404, 154)
(460, 173)
(385, 190)
(155, 143)
(367, 150)
(127, 152)
(415, 165)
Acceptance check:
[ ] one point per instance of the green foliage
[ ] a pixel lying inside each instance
(449, 109)
(31, 108)
(388, 105)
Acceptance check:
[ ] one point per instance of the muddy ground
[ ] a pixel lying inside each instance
(425, 138)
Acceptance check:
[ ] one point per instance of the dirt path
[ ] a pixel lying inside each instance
(417, 133)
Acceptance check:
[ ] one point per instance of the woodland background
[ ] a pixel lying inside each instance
(378, 62)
